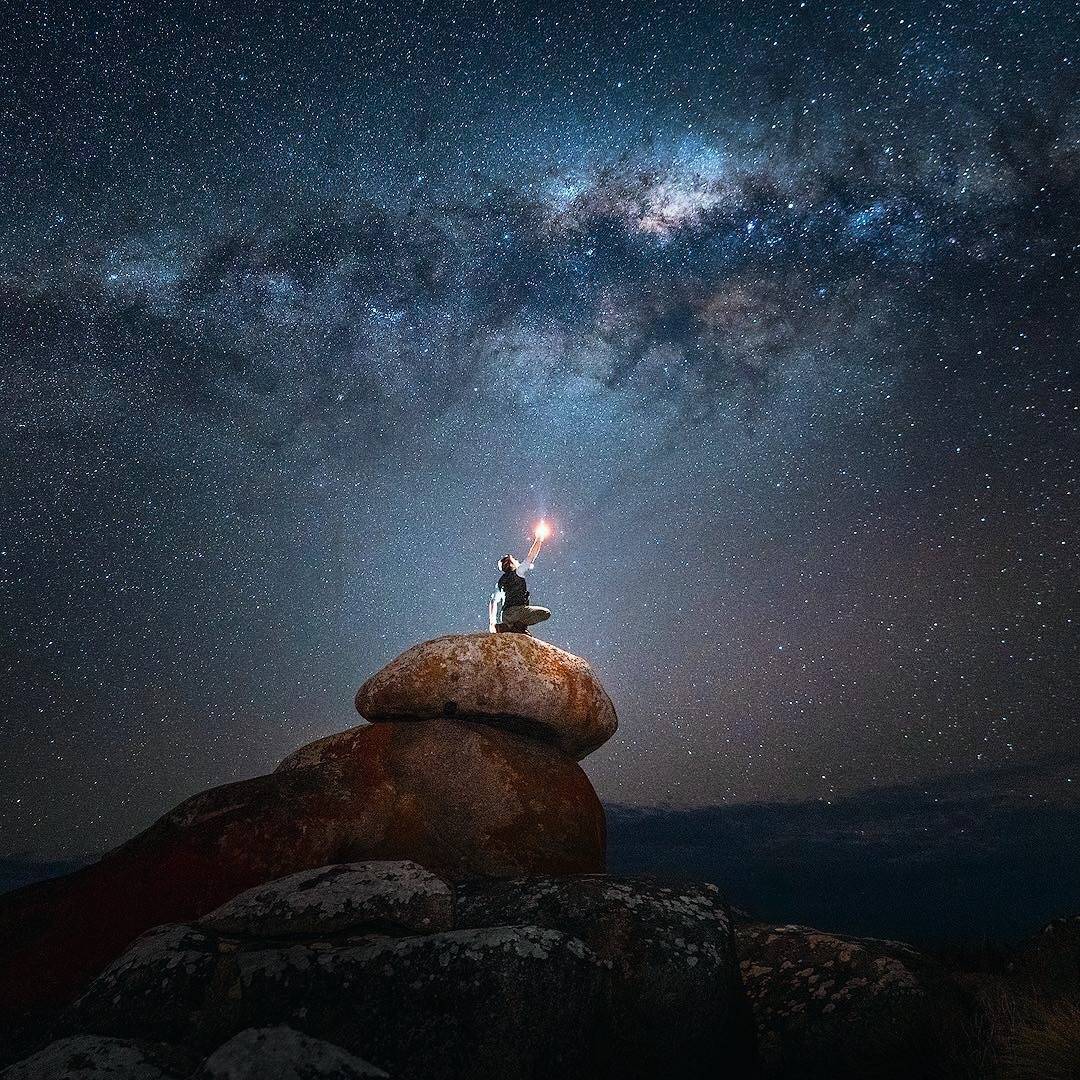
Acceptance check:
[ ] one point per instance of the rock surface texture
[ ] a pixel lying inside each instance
(401, 896)
(487, 788)
(276, 1053)
(577, 977)
(279, 1053)
(92, 1057)
(830, 1007)
(510, 681)
(675, 988)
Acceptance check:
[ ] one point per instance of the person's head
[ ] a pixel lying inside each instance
(508, 563)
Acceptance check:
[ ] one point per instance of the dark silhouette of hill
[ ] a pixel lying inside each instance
(25, 868)
(957, 859)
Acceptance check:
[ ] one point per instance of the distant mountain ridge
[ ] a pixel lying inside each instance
(988, 854)
(21, 869)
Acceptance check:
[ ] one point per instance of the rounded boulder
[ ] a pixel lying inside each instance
(829, 1007)
(460, 799)
(509, 681)
(397, 895)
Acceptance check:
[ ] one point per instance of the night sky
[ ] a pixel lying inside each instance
(308, 312)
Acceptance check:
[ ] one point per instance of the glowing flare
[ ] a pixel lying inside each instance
(543, 531)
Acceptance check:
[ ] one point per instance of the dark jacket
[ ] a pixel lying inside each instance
(513, 587)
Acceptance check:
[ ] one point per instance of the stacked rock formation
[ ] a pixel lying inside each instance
(468, 768)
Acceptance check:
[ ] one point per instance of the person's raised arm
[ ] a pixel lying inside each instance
(533, 551)
(539, 537)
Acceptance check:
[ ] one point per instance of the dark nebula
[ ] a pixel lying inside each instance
(307, 314)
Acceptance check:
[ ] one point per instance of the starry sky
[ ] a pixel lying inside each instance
(309, 311)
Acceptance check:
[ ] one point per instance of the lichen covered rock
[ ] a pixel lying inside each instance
(93, 1057)
(280, 1053)
(510, 681)
(330, 899)
(172, 965)
(587, 977)
(835, 1007)
(489, 1002)
(676, 992)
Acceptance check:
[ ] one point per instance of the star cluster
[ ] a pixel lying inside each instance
(307, 313)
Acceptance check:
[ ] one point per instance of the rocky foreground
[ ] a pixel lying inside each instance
(386, 964)
(423, 898)
(382, 968)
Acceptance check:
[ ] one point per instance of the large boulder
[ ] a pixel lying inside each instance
(510, 681)
(831, 1008)
(608, 978)
(279, 1053)
(397, 896)
(276, 1053)
(501, 1002)
(160, 982)
(677, 997)
(93, 1057)
(463, 799)
(459, 799)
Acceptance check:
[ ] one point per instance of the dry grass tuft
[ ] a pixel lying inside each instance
(1042, 1042)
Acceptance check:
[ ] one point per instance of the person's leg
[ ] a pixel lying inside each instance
(519, 619)
(534, 615)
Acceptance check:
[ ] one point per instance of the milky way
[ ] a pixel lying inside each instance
(306, 316)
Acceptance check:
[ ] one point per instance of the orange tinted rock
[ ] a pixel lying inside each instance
(509, 681)
(462, 799)
(459, 799)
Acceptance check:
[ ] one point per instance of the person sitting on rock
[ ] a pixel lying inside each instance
(510, 610)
